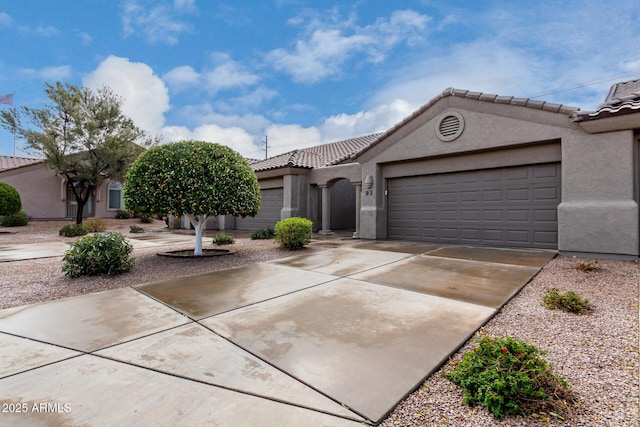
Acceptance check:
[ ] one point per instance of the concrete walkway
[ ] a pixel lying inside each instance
(330, 338)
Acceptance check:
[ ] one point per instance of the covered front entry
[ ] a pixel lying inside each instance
(270, 208)
(509, 206)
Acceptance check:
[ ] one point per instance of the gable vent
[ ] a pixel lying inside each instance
(449, 126)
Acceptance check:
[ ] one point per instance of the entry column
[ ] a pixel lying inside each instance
(356, 234)
(326, 209)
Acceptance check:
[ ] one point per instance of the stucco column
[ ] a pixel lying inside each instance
(356, 234)
(326, 210)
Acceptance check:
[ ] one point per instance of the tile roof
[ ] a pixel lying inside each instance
(318, 156)
(10, 162)
(623, 98)
(486, 97)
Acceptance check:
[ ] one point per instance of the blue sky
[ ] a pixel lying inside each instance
(305, 72)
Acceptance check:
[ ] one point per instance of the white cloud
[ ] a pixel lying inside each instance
(85, 38)
(41, 30)
(54, 73)
(377, 119)
(182, 77)
(233, 137)
(146, 97)
(325, 50)
(184, 5)
(223, 74)
(227, 74)
(155, 22)
(5, 20)
(283, 138)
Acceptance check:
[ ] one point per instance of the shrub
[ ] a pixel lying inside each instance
(122, 214)
(587, 266)
(10, 202)
(569, 302)
(294, 233)
(15, 220)
(223, 239)
(95, 224)
(103, 253)
(507, 376)
(146, 218)
(135, 229)
(73, 230)
(263, 233)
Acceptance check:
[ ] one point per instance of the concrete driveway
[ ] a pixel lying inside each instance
(330, 338)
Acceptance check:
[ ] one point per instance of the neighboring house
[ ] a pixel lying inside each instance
(465, 168)
(46, 195)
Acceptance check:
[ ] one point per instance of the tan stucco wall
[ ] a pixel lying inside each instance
(40, 190)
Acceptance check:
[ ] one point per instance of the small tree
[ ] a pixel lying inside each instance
(81, 134)
(192, 178)
(10, 202)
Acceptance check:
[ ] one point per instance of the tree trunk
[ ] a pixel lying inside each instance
(82, 197)
(198, 223)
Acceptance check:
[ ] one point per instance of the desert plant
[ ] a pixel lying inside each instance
(294, 233)
(587, 266)
(223, 239)
(509, 377)
(135, 229)
(569, 301)
(95, 224)
(263, 233)
(10, 202)
(145, 218)
(15, 220)
(73, 230)
(122, 214)
(102, 253)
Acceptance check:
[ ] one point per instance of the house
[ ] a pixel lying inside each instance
(46, 195)
(475, 168)
(465, 168)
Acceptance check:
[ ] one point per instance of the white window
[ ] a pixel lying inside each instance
(116, 200)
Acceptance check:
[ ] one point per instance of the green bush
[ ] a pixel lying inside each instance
(73, 230)
(135, 229)
(263, 233)
(103, 253)
(122, 214)
(569, 302)
(223, 239)
(15, 220)
(146, 218)
(10, 202)
(507, 376)
(95, 224)
(294, 233)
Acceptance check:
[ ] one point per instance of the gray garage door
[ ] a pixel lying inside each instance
(270, 207)
(513, 207)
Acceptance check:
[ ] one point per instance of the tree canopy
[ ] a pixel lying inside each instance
(81, 134)
(193, 178)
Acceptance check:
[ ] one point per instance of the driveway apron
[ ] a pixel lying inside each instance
(329, 338)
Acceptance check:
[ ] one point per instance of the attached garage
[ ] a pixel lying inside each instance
(270, 207)
(508, 206)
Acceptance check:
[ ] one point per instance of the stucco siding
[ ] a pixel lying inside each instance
(40, 190)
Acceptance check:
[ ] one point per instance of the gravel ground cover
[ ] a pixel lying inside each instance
(597, 353)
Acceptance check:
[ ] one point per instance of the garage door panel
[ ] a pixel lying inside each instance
(514, 206)
(270, 207)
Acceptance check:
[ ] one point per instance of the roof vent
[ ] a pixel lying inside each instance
(449, 126)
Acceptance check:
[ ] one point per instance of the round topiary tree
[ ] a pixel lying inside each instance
(193, 178)
(10, 202)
